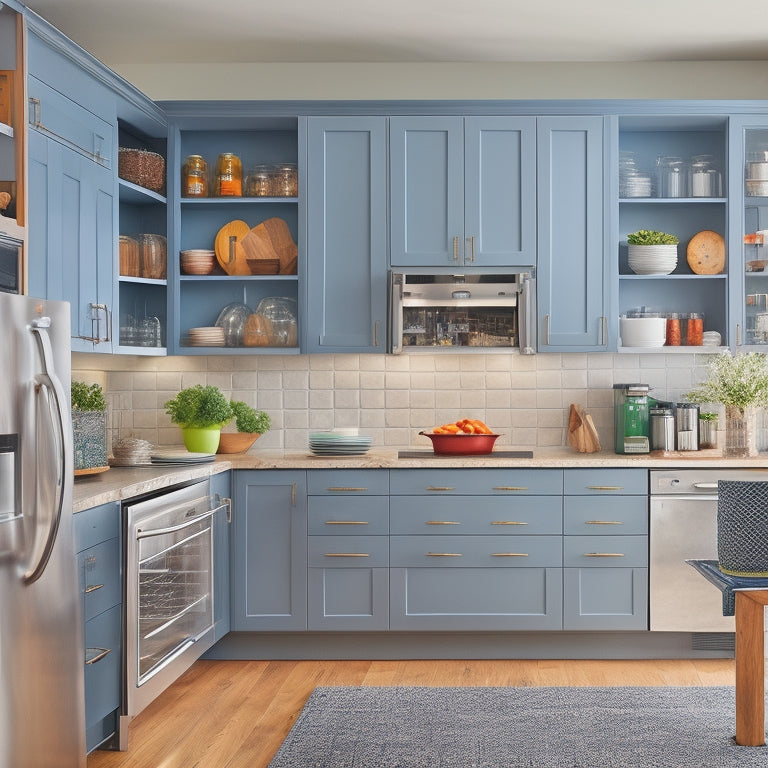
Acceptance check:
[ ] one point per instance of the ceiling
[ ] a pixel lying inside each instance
(243, 31)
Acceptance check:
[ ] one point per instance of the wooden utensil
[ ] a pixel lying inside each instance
(229, 249)
(582, 434)
(706, 253)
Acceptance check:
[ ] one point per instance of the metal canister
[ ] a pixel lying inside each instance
(687, 426)
(662, 429)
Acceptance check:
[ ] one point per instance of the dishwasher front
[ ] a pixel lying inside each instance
(683, 526)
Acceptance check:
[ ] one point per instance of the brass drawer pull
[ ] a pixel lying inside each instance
(440, 488)
(603, 522)
(508, 522)
(510, 488)
(101, 653)
(344, 489)
(509, 554)
(603, 554)
(346, 522)
(605, 487)
(93, 588)
(347, 554)
(444, 554)
(442, 522)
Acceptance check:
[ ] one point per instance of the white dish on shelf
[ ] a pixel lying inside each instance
(643, 331)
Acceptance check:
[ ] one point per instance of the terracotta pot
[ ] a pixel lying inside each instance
(236, 442)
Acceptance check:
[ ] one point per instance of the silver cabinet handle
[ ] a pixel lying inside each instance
(604, 331)
(440, 488)
(510, 488)
(345, 489)
(738, 334)
(546, 329)
(293, 494)
(347, 554)
(444, 554)
(100, 653)
(603, 522)
(472, 253)
(96, 337)
(456, 248)
(605, 487)
(442, 522)
(603, 554)
(509, 522)
(92, 588)
(346, 522)
(226, 500)
(375, 333)
(509, 554)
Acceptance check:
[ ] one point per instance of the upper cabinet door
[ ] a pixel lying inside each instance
(571, 276)
(500, 191)
(427, 191)
(346, 234)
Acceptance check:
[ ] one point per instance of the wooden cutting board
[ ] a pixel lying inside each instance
(706, 253)
(229, 250)
(272, 240)
(582, 434)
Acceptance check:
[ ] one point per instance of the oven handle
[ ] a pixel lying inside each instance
(141, 534)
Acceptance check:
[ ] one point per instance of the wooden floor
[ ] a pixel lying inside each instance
(235, 714)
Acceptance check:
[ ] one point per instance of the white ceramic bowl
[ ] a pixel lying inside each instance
(643, 331)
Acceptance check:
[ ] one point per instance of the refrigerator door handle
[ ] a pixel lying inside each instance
(48, 384)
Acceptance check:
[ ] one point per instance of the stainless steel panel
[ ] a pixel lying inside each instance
(42, 720)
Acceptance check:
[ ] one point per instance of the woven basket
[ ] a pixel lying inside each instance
(147, 169)
(742, 527)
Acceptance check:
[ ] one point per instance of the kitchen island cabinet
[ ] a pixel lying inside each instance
(269, 538)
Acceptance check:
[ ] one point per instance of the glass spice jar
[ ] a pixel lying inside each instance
(260, 182)
(695, 330)
(286, 180)
(229, 176)
(194, 178)
(673, 330)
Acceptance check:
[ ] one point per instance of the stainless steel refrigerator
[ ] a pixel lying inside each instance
(42, 719)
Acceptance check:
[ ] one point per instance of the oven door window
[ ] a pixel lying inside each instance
(174, 591)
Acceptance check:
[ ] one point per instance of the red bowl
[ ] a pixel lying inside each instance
(461, 445)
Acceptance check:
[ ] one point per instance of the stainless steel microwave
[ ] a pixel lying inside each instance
(10, 263)
(462, 311)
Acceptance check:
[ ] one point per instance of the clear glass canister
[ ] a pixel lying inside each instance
(704, 178)
(260, 182)
(672, 176)
(194, 177)
(286, 180)
(229, 176)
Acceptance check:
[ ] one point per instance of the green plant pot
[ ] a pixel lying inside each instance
(201, 440)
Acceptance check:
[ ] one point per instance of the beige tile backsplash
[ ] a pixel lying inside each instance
(390, 397)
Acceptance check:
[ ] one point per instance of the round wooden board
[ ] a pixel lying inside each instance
(232, 263)
(90, 471)
(706, 253)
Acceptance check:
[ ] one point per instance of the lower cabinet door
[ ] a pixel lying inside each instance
(458, 598)
(605, 598)
(102, 674)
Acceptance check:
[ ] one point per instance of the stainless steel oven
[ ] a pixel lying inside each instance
(169, 589)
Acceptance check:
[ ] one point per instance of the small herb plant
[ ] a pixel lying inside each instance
(651, 237)
(199, 407)
(87, 397)
(739, 380)
(248, 419)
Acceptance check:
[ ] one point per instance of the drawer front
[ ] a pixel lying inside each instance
(95, 525)
(496, 515)
(475, 552)
(348, 515)
(605, 551)
(605, 516)
(476, 482)
(348, 481)
(102, 674)
(605, 481)
(348, 551)
(99, 575)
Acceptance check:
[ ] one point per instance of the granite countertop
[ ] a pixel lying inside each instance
(126, 482)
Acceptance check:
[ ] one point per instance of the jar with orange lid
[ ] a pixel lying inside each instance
(229, 176)
(194, 177)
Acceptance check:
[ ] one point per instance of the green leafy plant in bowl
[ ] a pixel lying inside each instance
(250, 424)
(201, 412)
(651, 237)
(89, 427)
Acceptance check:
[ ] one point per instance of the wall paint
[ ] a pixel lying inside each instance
(625, 80)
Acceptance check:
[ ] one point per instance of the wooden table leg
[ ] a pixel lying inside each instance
(750, 668)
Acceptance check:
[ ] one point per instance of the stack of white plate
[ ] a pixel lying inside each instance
(338, 444)
(206, 336)
(181, 456)
(652, 259)
(130, 452)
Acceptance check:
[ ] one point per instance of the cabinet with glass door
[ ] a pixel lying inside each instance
(672, 179)
(236, 204)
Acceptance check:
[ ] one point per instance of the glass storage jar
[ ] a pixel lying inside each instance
(194, 177)
(229, 176)
(704, 178)
(286, 182)
(260, 182)
(672, 176)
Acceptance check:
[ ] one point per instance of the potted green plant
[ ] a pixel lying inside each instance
(652, 252)
(740, 383)
(89, 427)
(249, 423)
(201, 412)
(708, 429)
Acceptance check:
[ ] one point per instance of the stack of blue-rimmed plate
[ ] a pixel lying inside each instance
(338, 444)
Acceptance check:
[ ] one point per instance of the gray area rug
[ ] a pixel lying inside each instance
(405, 727)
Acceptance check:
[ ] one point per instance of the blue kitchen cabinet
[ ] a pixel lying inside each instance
(348, 552)
(98, 552)
(346, 234)
(462, 191)
(221, 490)
(605, 549)
(269, 537)
(476, 550)
(572, 279)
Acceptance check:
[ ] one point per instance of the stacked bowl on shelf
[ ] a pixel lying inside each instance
(197, 261)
